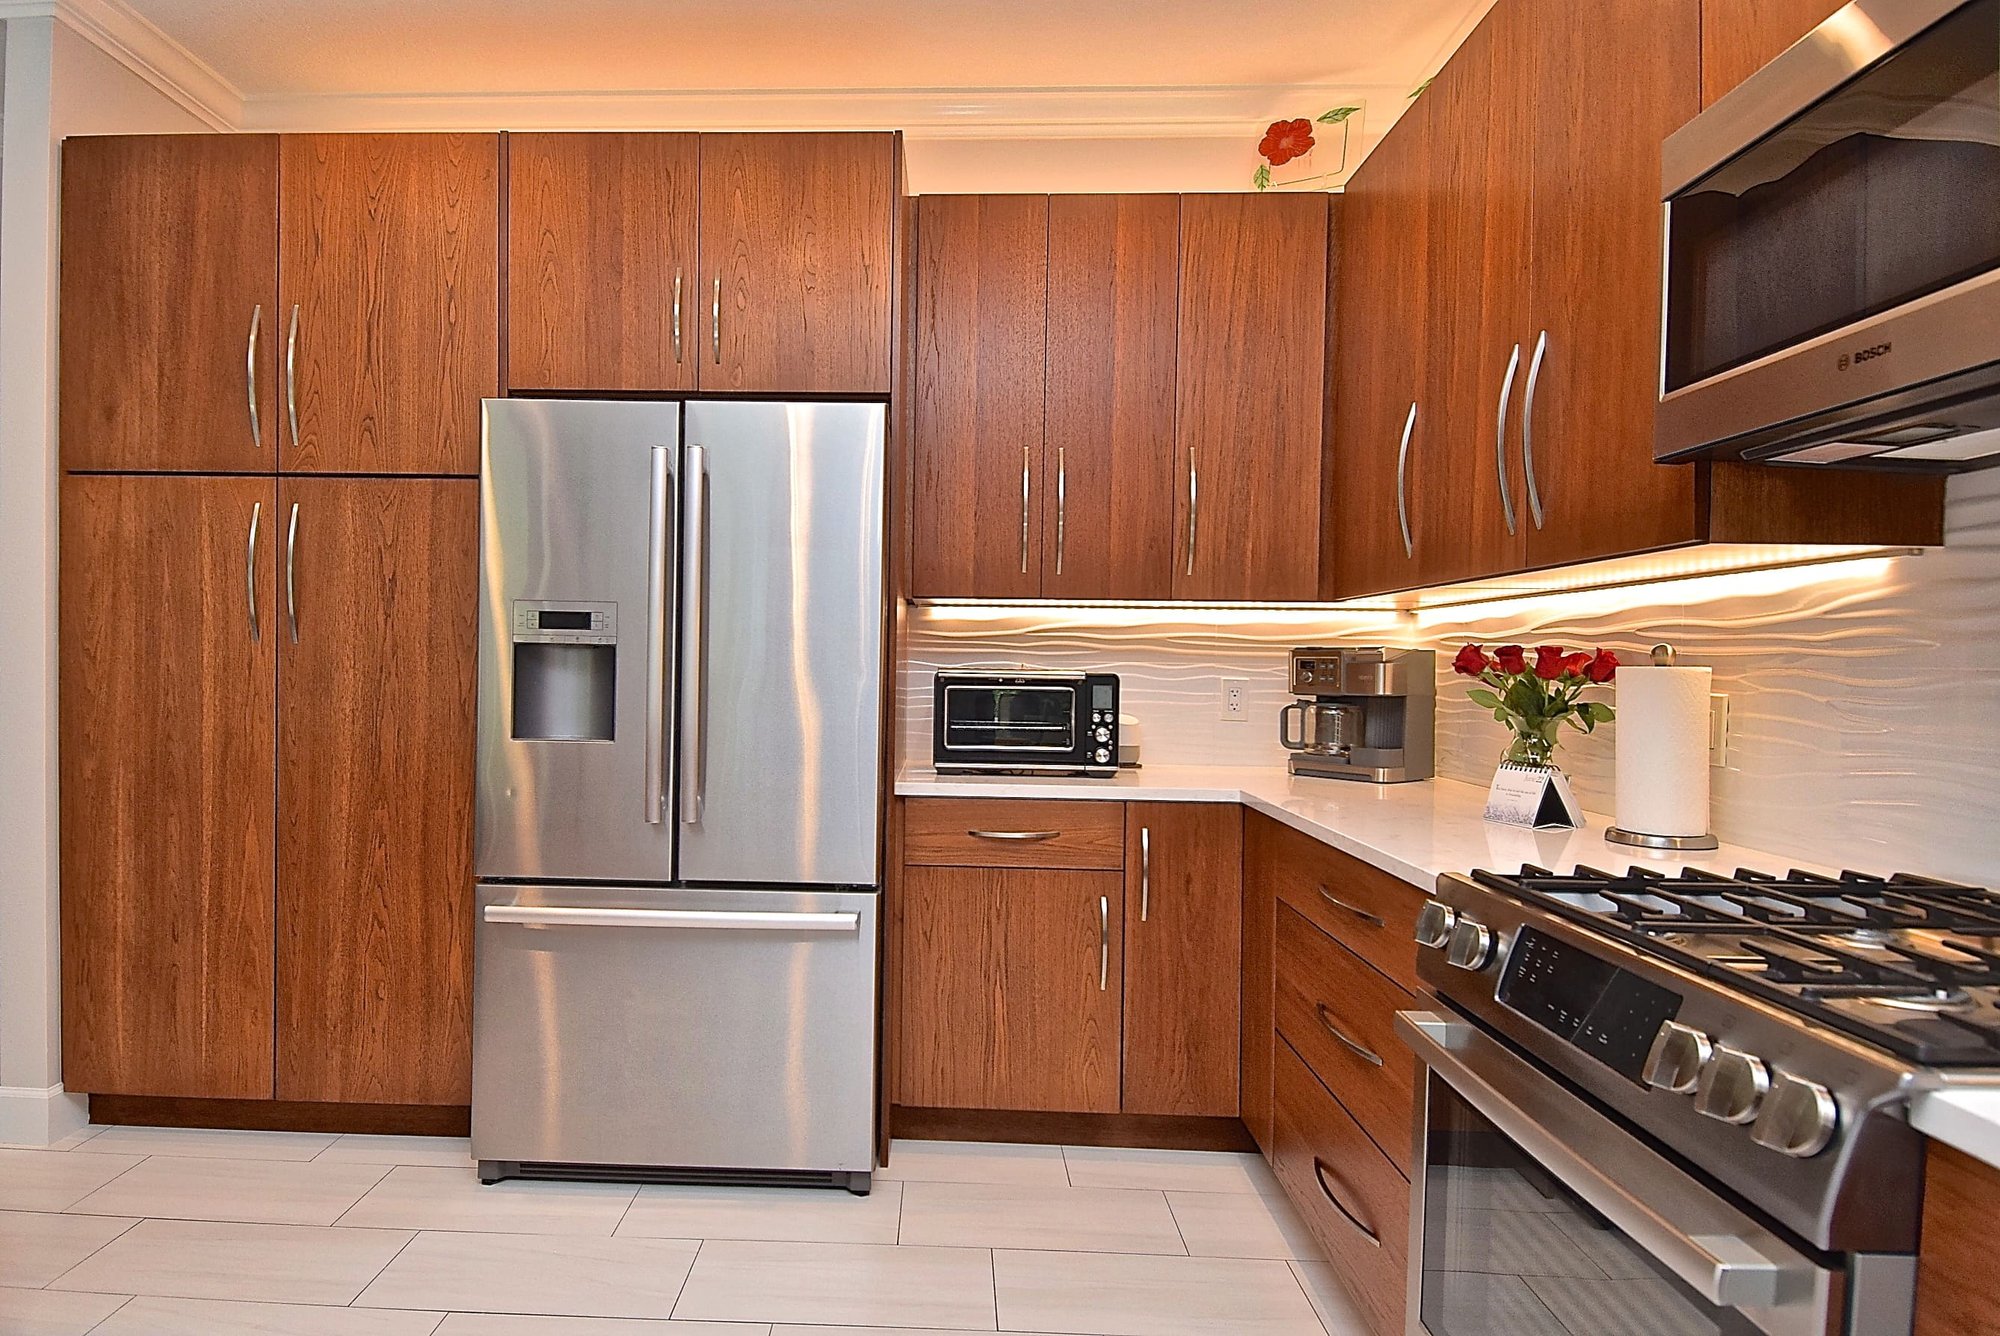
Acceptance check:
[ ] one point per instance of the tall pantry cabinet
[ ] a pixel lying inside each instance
(272, 351)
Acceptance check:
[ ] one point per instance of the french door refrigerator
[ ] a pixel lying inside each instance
(680, 706)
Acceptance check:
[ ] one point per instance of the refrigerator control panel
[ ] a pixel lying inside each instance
(537, 622)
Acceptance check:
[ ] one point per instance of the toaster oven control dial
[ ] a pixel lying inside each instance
(1102, 756)
(1470, 946)
(1434, 924)
(1732, 1085)
(1101, 733)
(1679, 1053)
(1798, 1119)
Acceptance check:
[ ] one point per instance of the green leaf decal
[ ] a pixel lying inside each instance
(1262, 180)
(1338, 114)
(1418, 90)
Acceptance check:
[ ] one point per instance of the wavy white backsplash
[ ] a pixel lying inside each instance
(1864, 698)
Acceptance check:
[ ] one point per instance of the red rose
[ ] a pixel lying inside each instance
(1602, 668)
(1574, 664)
(1549, 662)
(1471, 661)
(1511, 658)
(1286, 140)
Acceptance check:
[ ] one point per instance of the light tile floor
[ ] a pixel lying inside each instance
(132, 1231)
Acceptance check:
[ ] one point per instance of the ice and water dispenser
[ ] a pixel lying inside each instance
(565, 671)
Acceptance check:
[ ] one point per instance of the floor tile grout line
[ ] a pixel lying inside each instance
(415, 1234)
(71, 1208)
(108, 1316)
(1174, 1216)
(686, 1279)
(130, 1225)
(380, 1179)
(630, 1202)
(1300, 1281)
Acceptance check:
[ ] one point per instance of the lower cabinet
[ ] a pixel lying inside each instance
(1072, 957)
(1956, 1295)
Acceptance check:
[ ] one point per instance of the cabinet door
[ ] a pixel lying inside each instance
(168, 682)
(389, 255)
(1010, 992)
(1384, 445)
(1955, 1291)
(1740, 37)
(1183, 958)
(1592, 367)
(375, 747)
(1107, 529)
(797, 242)
(982, 316)
(170, 303)
(601, 272)
(1250, 390)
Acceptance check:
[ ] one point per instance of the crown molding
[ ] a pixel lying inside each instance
(119, 31)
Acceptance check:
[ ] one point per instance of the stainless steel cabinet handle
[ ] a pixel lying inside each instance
(754, 920)
(1528, 428)
(1145, 873)
(1194, 507)
(1026, 835)
(1323, 1174)
(250, 572)
(1355, 910)
(1359, 1050)
(291, 588)
(250, 374)
(292, 376)
(715, 320)
(659, 594)
(694, 683)
(1062, 503)
(1103, 943)
(1024, 510)
(677, 316)
(1402, 476)
(1500, 436)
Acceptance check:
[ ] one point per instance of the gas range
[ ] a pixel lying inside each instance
(1766, 1031)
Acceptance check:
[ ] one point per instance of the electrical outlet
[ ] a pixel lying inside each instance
(1718, 728)
(1233, 706)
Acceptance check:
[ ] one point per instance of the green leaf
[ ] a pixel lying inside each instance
(1598, 711)
(1262, 179)
(1338, 114)
(1485, 698)
(1418, 90)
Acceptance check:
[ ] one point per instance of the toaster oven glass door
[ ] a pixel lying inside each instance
(1038, 720)
(1878, 195)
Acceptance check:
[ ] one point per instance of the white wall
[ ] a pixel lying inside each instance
(56, 83)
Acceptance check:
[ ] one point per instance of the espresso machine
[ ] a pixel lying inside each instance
(1363, 712)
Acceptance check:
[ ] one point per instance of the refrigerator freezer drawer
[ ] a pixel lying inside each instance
(729, 1030)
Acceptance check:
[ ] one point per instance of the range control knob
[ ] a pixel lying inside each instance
(1732, 1085)
(1679, 1053)
(1798, 1119)
(1434, 924)
(1471, 945)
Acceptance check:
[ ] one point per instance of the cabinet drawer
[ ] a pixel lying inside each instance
(1339, 1015)
(1363, 907)
(1354, 1200)
(1013, 832)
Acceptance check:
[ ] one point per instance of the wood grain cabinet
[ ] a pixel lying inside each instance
(1955, 1291)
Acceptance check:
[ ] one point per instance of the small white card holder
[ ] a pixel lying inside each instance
(1529, 795)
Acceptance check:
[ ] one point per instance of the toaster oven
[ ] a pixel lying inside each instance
(1048, 723)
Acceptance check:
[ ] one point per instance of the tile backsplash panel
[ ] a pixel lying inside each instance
(1864, 698)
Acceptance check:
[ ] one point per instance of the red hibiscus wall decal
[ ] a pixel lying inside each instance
(1286, 140)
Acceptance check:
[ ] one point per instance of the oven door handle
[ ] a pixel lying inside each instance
(1722, 1254)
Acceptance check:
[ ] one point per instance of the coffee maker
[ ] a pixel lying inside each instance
(1363, 713)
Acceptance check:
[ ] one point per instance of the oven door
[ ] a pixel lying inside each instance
(1534, 1214)
(1029, 722)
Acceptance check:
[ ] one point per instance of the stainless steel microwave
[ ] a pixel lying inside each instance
(1832, 274)
(1025, 723)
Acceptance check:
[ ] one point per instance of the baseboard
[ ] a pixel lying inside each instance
(275, 1115)
(1150, 1131)
(31, 1116)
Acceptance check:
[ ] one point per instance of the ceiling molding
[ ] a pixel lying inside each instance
(114, 28)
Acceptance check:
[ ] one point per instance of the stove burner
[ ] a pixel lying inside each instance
(1931, 1003)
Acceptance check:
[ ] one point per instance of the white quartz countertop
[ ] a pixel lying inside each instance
(1968, 1119)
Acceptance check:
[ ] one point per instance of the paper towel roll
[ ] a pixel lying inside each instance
(1662, 755)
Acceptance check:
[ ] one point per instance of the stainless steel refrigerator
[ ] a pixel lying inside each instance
(680, 712)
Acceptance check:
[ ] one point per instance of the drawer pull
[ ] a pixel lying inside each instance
(1355, 910)
(1013, 834)
(1322, 1173)
(1361, 1051)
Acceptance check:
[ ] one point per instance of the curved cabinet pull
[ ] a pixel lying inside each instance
(250, 374)
(1062, 503)
(1145, 873)
(677, 315)
(291, 586)
(1194, 508)
(1103, 943)
(1026, 836)
(292, 376)
(1402, 478)
(1359, 1050)
(1528, 429)
(250, 572)
(1500, 437)
(1355, 910)
(1324, 1174)
(1024, 510)
(715, 320)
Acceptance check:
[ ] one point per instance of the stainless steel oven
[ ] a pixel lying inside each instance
(1833, 250)
(1025, 722)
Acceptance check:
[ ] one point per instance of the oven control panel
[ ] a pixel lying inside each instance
(1608, 1013)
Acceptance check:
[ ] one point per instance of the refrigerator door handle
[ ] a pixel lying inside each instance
(753, 920)
(658, 596)
(694, 733)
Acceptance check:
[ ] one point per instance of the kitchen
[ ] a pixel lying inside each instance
(548, 608)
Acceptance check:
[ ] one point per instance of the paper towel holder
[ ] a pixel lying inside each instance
(1663, 656)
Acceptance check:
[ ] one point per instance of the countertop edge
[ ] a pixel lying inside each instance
(1968, 1120)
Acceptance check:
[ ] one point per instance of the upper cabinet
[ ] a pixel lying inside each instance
(601, 267)
(1092, 371)
(170, 303)
(797, 255)
(1740, 37)
(389, 278)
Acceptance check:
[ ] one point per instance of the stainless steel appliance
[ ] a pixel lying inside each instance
(1686, 1095)
(1363, 713)
(1024, 723)
(680, 670)
(1833, 250)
